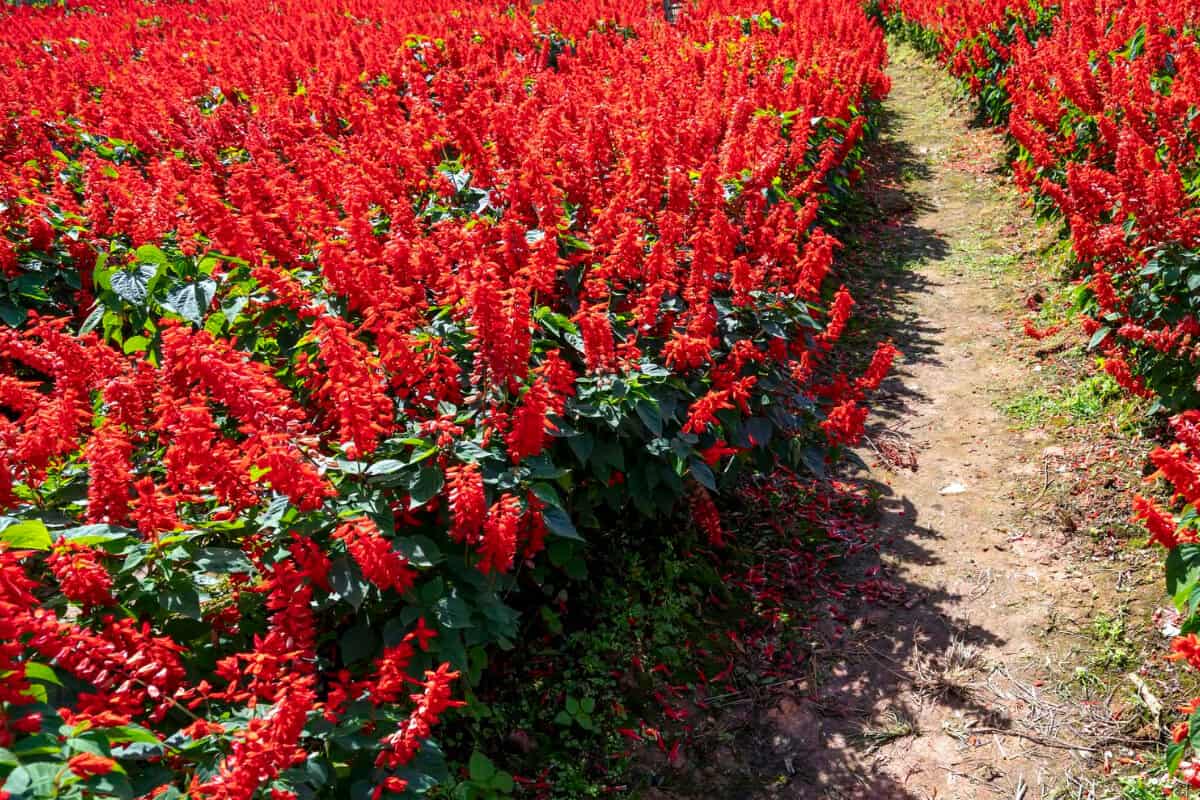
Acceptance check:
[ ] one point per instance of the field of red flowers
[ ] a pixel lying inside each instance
(1100, 101)
(334, 333)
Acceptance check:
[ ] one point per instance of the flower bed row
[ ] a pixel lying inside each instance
(1103, 110)
(323, 322)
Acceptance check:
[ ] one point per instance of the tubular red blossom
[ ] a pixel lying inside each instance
(80, 574)
(264, 748)
(374, 555)
(1161, 525)
(1034, 333)
(498, 547)
(320, 245)
(313, 562)
(559, 377)
(154, 510)
(468, 505)
(844, 425)
(1180, 469)
(1116, 366)
(703, 412)
(599, 347)
(87, 765)
(391, 672)
(531, 427)
(287, 471)
(390, 784)
(533, 527)
(706, 516)
(839, 315)
(124, 658)
(401, 746)
(196, 361)
(1186, 648)
(349, 387)
(877, 370)
(109, 454)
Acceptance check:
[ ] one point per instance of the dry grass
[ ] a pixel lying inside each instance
(896, 724)
(947, 675)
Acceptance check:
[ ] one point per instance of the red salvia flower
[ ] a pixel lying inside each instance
(498, 547)
(374, 555)
(468, 505)
(87, 765)
(80, 574)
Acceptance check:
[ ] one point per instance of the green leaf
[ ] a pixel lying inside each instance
(648, 411)
(223, 560)
(1098, 337)
(28, 534)
(130, 733)
(1174, 756)
(150, 254)
(387, 466)
(758, 431)
(480, 767)
(547, 494)
(272, 516)
(452, 611)
(33, 780)
(11, 315)
(426, 487)
(41, 672)
(703, 475)
(191, 300)
(559, 523)
(96, 534)
(348, 581)
(110, 785)
(358, 643)
(184, 601)
(133, 286)
(1183, 572)
(582, 446)
(419, 550)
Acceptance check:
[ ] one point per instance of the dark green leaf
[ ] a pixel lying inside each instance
(559, 523)
(133, 286)
(426, 487)
(480, 767)
(452, 611)
(182, 600)
(419, 550)
(1098, 337)
(358, 643)
(703, 475)
(222, 559)
(191, 300)
(547, 494)
(648, 411)
(348, 581)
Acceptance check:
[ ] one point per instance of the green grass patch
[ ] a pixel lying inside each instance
(1087, 401)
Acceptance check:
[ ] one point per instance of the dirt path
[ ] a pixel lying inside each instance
(951, 692)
